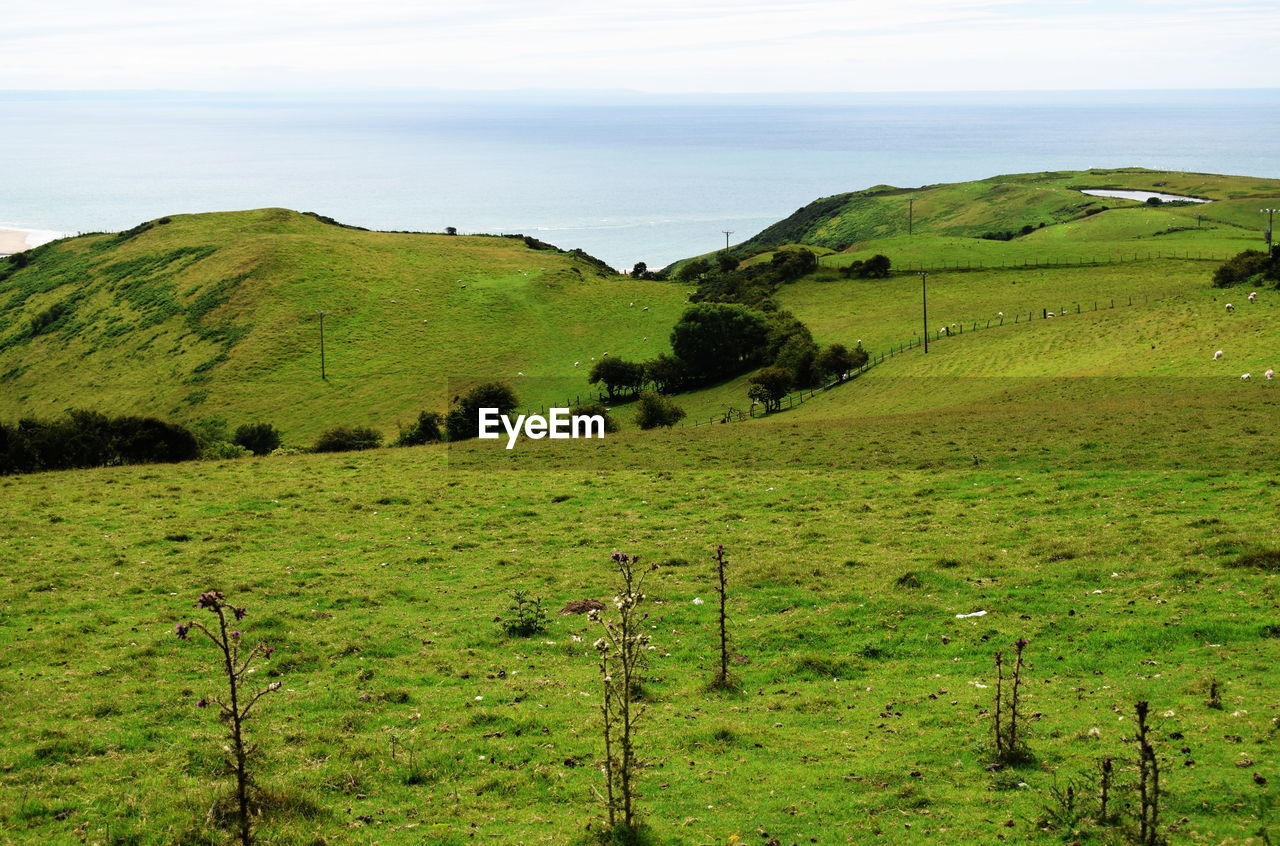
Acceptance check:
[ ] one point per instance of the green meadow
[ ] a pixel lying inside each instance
(1094, 482)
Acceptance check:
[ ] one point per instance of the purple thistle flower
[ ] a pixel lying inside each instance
(182, 630)
(210, 599)
(202, 703)
(1021, 643)
(239, 612)
(237, 633)
(267, 651)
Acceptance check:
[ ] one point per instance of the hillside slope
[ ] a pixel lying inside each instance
(997, 204)
(216, 315)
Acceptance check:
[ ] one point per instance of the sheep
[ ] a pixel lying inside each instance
(1244, 377)
(999, 314)
(1253, 296)
(1050, 314)
(646, 308)
(576, 363)
(1269, 373)
(521, 373)
(631, 305)
(1217, 356)
(1230, 307)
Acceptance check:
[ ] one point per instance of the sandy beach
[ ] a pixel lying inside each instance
(17, 240)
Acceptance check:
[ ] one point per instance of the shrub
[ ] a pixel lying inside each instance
(617, 376)
(346, 439)
(592, 409)
(1244, 266)
(424, 430)
(655, 410)
(463, 420)
(258, 438)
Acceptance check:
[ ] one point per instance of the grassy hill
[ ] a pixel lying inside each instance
(1004, 203)
(215, 315)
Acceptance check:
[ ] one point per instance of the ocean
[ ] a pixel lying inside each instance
(625, 176)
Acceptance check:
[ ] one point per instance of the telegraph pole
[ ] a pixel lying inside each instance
(924, 306)
(321, 314)
(910, 214)
(727, 233)
(1270, 213)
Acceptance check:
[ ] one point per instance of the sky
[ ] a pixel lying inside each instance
(661, 46)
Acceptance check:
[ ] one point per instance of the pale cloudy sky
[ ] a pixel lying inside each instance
(646, 45)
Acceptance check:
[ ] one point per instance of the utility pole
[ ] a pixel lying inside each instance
(321, 314)
(1270, 213)
(911, 201)
(924, 306)
(727, 233)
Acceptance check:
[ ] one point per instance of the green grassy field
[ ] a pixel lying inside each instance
(1095, 482)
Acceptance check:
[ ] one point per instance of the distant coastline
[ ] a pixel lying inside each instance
(17, 240)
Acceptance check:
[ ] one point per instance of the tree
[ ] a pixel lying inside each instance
(617, 376)
(1245, 266)
(463, 420)
(718, 340)
(667, 374)
(837, 360)
(347, 439)
(655, 410)
(693, 271)
(640, 271)
(258, 438)
(769, 385)
(451, 230)
(592, 409)
(424, 430)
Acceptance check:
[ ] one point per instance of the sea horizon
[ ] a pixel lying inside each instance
(627, 176)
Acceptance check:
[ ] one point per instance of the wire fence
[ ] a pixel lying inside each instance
(950, 330)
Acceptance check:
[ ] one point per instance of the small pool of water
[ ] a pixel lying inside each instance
(1140, 196)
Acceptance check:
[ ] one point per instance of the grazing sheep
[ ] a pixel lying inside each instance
(1050, 314)
(521, 373)
(646, 308)
(1217, 356)
(1230, 307)
(1270, 374)
(576, 363)
(999, 314)
(630, 305)
(1253, 296)
(1244, 377)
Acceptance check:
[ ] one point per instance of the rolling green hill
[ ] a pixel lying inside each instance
(215, 315)
(1007, 202)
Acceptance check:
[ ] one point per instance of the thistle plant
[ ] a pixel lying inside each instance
(621, 656)
(722, 680)
(1148, 782)
(236, 663)
(1010, 747)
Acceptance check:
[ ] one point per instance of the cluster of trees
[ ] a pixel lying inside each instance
(91, 439)
(876, 267)
(725, 282)
(1009, 234)
(1254, 267)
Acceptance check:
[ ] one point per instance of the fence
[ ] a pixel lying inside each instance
(1032, 264)
(734, 415)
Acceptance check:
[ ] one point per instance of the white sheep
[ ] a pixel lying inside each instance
(1230, 307)
(646, 308)
(1050, 314)
(999, 314)
(521, 373)
(1244, 377)
(1217, 356)
(576, 363)
(1270, 374)
(630, 305)
(1253, 296)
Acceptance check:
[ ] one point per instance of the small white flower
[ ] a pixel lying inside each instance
(697, 600)
(479, 698)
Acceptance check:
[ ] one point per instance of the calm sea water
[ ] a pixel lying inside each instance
(626, 177)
